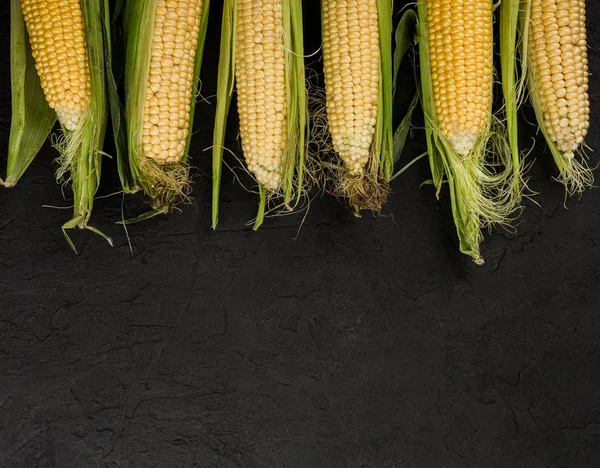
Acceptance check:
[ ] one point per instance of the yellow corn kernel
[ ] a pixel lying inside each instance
(351, 59)
(461, 48)
(558, 58)
(170, 80)
(261, 88)
(57, 39)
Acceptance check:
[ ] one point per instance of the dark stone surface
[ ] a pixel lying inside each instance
(368, 343)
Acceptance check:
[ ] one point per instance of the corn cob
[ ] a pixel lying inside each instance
(554, 32)
(66, 39)
(260, 77)
(262, 55)
(170, 80)
(357, 65)
(351, 64)
(164, 46)
(460, 48)
(558, 58)
(58, 46)
(456, 45)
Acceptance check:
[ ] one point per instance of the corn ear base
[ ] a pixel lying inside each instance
(169, 184)
(294, 161)
(31, 119)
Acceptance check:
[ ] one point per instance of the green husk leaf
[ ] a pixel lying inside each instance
(197, 69)
(435, 160)
(100, 233)
(32, 119)
(509, 16)
(384, 133)
(225, 87)
(401, 133)
(262, 203)
(71, 224)
(404, 39)
(164, 184)
(294, 160)
(117, 10)
(81, 150)
(144, 216)
(512, 85)
(117, 112)
(408, 165)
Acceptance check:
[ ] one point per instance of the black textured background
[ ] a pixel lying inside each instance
(366, 343)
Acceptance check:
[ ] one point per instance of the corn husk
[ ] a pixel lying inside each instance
(165, 185)
(481, 184)
(80, 150)
(296, 179)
